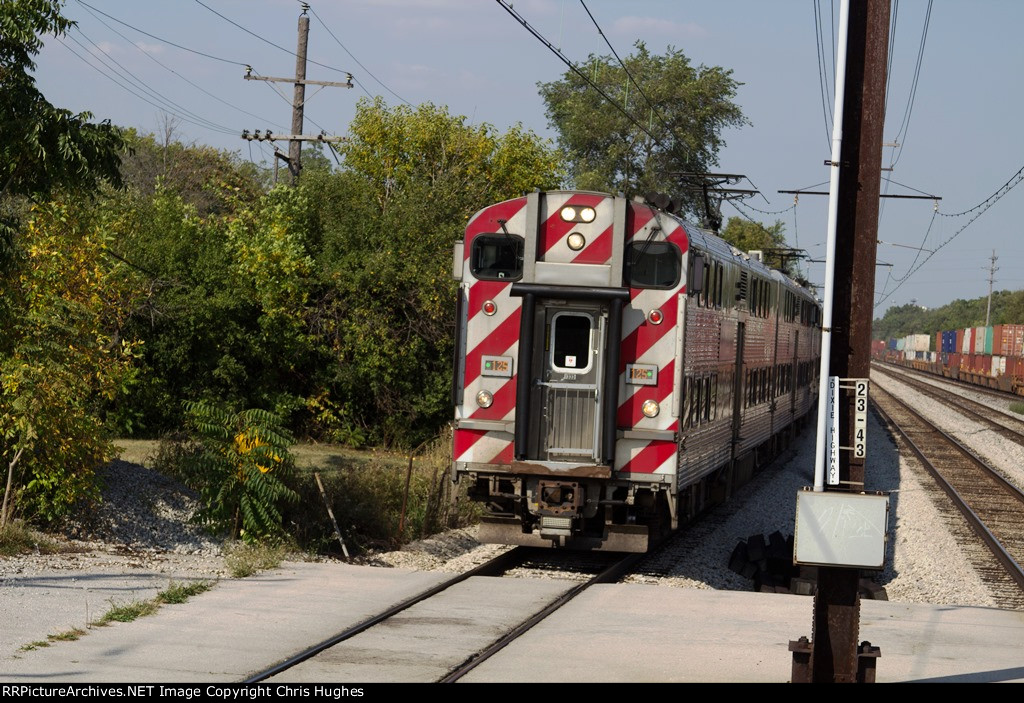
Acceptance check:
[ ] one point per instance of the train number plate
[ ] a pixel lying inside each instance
(496, 366)
(641, 374)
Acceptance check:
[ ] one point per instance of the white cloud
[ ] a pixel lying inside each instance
(150, 48)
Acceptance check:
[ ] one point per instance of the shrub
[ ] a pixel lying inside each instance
(240, 467)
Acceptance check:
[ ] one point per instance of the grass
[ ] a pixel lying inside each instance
(17, 538)
(126, 612)
(244, 559)
(176, 593)
(1017, 408)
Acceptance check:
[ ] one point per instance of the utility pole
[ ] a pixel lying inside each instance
(991, 279)
(846, 333)
(295, 139)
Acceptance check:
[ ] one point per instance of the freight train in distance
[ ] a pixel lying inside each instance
(617, 369)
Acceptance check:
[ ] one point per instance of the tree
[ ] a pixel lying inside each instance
(410, 179)
(690, 107)
(43, 147)
(747, 235)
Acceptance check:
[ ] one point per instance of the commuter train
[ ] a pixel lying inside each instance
(617, 369)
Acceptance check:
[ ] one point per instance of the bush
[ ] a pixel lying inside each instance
(241, 466)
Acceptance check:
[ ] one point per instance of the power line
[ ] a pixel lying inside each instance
(267, 41)
(168, 68)
(826, 107)
(902, 133)
(128, 89)
(358, 62)
(629, 75)
(161, 39)
(526, 25)
(111, 62)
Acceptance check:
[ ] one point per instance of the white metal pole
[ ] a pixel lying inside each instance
(830, 247)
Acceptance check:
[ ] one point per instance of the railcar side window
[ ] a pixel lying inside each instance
(496, 257)
(652, 265)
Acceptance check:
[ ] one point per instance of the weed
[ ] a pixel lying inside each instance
(18, 538)
(68, 636)
(180, 592)
(127, 612)
(245, 559)
(1017, 408)
(34, 645)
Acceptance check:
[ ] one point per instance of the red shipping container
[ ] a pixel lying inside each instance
(997, 340)
(955, 360)
(959, 342)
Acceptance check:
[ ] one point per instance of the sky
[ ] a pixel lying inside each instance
(958, 124)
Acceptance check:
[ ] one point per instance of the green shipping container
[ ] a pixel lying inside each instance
(988, 340)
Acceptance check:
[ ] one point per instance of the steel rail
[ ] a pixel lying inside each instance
(611, 574)
(1011, 566)
(497, 565)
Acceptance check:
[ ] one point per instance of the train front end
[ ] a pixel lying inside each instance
(567, 360)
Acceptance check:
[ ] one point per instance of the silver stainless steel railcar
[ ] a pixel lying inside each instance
(617, 368)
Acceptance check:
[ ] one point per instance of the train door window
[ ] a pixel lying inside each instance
(495, 257)
(652, 265)
(571, 342)
(719, 275)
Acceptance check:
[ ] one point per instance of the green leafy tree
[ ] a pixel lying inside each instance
(410, 179)
(61, 358)
(747, 235)
(44, 147)
(608, 151)
(241, 470)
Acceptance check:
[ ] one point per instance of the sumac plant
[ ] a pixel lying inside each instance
(241, 469)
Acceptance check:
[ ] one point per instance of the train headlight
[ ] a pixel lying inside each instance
(651, 408)
(569, 214)
(576, 241)
(588, 214)
(485, 399)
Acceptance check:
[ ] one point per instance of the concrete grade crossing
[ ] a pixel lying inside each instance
(610, 633)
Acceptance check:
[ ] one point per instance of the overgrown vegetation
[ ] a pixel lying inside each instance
(18, 538)
(1017, 408)
(245, 559)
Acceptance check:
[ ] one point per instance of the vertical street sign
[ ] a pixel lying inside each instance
(860, 417)
(833, 430)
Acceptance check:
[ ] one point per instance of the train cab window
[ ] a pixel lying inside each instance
(652, 265)
(496, 257)
(571, 342)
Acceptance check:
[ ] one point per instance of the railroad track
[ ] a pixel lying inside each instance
(589, 570)
(992, 507)
(1004, 396)
(1004, 424)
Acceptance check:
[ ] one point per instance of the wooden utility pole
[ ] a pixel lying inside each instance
(837, 603)
(295, 139)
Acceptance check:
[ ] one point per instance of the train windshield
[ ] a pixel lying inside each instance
(497, 256)
(652, 264)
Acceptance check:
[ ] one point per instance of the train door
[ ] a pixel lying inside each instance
(738, 389)
(568, 370)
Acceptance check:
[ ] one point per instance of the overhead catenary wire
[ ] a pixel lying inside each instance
(575, 69)
(978, 211)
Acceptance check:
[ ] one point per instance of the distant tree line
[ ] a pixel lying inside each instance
(902, 320)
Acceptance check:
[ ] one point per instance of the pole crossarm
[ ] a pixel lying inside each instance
(272, 137)
(302, 81)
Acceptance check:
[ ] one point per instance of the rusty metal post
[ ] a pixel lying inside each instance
(801, 650)
(837, 604)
